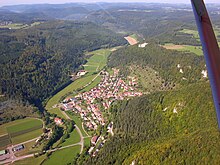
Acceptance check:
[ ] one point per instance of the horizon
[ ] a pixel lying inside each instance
(51, 2)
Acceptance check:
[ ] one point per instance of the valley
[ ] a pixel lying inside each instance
(105, 83)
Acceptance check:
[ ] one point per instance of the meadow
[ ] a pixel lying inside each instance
(74, 138)
(77, 120)
(61, 157)
(97, 61)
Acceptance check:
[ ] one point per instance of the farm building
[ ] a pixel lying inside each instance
(18, 148)
(81, 73)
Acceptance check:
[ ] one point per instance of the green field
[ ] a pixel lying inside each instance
(77, 120)
(87, 142)
(23, 126)
(26, 136)
(194, 49)
(63, 157)
(193, 32)
(188, 48)
(196, 35)
(19, 125)
(97, 61)
(93, 84)
(19, 131)
(74, 138)
(79, 83)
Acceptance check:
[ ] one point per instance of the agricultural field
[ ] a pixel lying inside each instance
(131, 40)
(193, 49)
(61, 157)
(97, 61)
(19, 131)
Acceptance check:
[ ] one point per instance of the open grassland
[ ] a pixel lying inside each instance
(20, 131)
(97, 61)
(61, 157)
(74, 138)
(193, 49)
(68, 90)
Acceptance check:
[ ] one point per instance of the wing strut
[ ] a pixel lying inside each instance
(210, 49)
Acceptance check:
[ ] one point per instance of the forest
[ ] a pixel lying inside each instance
(37, 61)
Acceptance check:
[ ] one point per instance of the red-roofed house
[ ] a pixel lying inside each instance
(58, 121)
(94, 140)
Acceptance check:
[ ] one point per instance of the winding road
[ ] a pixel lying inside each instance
(79, 132)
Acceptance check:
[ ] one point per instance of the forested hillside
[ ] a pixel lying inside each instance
(167, 63)
(38, 60)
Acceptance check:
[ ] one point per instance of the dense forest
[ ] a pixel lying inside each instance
(38, 60)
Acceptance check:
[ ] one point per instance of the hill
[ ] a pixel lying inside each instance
(29, 57)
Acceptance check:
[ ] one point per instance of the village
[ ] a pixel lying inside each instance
(93, 105)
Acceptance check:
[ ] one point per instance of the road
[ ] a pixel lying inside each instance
(79, 132)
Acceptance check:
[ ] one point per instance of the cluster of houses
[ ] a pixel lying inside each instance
(97, 142)
(90, 105)
(5, 23)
